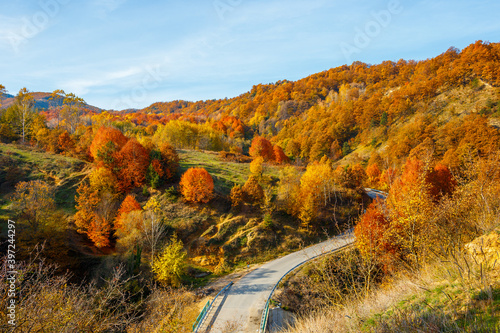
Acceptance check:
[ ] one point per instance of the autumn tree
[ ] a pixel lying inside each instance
(252, 191)
(2, 91)
(373, 236)
(128, 205)
(163, 166)
(261, 147)
(256, 167)
(106, 144)
(356, 177)
(133, 161)
(170, 263)
(34, 201)
(96, 208)
(197, 185)
(317, 189)
(152, 228)
(130, 232)
(169, 159)
(410, 205)
(279, 155)
(373, 173)
(83, 141)
(237, 196)
(86, 218)
(308, 210)
(387, 178)
(103, 180)
(335, 150)
(289, 190)
(26, 106)
(71, 112)
(65, 143)
(317, 183)
(441, 181)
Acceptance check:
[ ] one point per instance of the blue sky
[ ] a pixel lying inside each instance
(120, 54)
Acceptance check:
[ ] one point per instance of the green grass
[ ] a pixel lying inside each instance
(225, 174)
(42, 164)
(64, 173)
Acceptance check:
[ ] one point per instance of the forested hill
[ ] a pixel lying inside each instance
(339, 109)
(447, 104)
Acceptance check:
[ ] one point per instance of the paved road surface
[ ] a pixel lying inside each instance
(245, 300)
(374, 194)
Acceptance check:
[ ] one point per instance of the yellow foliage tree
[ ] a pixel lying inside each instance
(33, 201)
(410, 206)
(289, 189)
(170, 263)
(256, 167)
(102, 180)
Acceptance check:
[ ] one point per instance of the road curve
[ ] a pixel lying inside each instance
(243, 304)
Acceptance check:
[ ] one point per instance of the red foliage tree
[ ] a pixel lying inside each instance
(197, 185)
(441, 181)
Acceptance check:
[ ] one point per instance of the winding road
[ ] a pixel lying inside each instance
(243, 303)
(240, 309)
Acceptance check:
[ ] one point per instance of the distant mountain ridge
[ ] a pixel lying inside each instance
(43, 101)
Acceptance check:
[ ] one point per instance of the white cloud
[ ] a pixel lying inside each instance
(120, 78)
(102, 8)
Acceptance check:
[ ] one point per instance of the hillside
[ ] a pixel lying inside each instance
(151, 204)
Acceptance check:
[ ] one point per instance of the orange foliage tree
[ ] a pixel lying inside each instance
(164, 165)
(65, 143)
(88, 219)
(197, 185)
(133, 161)
(169, 160)
(252, 191)
(410, 206)
(106, 144)
(237, 196)
(261, 147)
(373, 173)
(128, 205)
(279, 155)
(373, 236)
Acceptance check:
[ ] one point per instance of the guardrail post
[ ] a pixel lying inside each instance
(206, 309)
(265, 313)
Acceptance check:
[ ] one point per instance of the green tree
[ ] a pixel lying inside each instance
(346, 149)
(383, 119)
(170, 263)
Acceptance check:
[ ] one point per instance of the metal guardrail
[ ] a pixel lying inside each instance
(201, 316)
(265, 313)
(206, 309)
